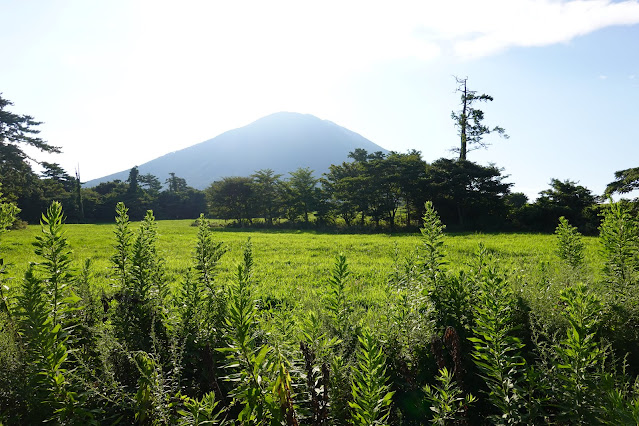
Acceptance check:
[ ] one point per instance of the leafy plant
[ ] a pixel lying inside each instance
(447, 401)
(496, 351)
(8, 214)
(144, 290)
(196, 412)
(53, 247)
(207, 253)
(155, 401)
(337, 301)
(121, 259)
(570, 247)
(432, 244)
(371, 394)
(619, 237)
(46, 306)
(260, 378)
(579, 358)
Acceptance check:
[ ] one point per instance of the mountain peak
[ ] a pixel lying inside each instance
(282, 141)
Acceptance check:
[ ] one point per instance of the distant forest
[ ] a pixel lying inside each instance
(370, 191)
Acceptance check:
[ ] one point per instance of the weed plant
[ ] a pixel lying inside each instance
(166, 323)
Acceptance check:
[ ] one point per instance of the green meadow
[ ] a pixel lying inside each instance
(190, 322)
(291, 266)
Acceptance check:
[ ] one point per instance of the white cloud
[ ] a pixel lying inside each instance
(354, 34)
(491, 26)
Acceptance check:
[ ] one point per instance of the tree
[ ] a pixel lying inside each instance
(467, 193)
(150, 183)
(134, 187)
(268, 188)
(564, 198)
(625, 181)
(382, 174)
(56, 173)
(410, 173)
(302, 197)
(469, 120)
(176, 184)
(232, 198)
(78, 195)
(18, 131)
(341, 188)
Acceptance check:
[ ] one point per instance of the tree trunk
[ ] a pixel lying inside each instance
(464, 120)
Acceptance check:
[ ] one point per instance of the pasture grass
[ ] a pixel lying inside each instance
(293, 295)
(292, 266)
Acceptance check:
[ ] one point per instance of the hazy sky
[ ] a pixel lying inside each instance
(121, 82)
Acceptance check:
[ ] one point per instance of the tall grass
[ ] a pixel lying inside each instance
(167, 323)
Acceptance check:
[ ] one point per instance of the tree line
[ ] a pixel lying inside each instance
(369, 191)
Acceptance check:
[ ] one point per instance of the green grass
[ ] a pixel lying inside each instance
(291, 275)
(292, 265)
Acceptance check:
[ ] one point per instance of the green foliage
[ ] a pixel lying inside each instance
(8, 213)
(147, 266)
(301, 194)
(467, 194)
(371, 393)
(337, 301)
(123, 239)
(45, 317)
(147, 354)
(496, 350)
(232, 198)
(570, 247)
(619, 237)
(207, 253)
(625, 181)
(580, 358)
(446, 400)
(432, 244)
(469, 120)
(198, 412)
(144, 290)
(268, 188)
(261, 381)
(16, 133)
(53, 247)
(563, 198)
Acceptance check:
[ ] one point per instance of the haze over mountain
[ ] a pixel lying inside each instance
(283, 141)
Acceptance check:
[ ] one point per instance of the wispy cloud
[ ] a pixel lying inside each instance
(333, 37)
(484, 28)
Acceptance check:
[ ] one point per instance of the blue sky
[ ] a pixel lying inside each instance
(119, 83)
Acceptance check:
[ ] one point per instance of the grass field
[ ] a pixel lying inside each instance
(292, 267)
(525, 304)
(290, 264)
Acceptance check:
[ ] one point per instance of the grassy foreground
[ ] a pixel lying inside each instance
(291, 265)
(308, 328)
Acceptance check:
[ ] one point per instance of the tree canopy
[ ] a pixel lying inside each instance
(625, 181)
(469, 120)
(17, 132)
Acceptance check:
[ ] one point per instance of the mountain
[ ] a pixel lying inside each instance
(283, 141)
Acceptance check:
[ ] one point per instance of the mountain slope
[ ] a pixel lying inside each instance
(283, 141)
